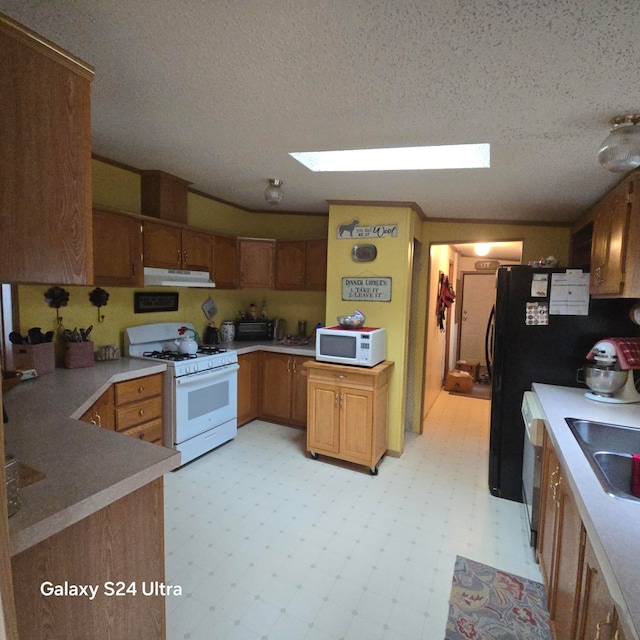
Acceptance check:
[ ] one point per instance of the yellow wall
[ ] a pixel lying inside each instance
(393, 261)
(118, 188)
(538, 241)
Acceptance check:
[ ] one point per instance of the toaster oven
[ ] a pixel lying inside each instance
(254, 330)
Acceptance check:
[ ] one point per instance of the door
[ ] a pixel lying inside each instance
(197, 250)
(478, 292)
(356, 421)
(323, 429)
(275, 399)
(162, 246)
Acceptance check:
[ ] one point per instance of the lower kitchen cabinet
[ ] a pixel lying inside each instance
(579, 601)
(283, 396)
(248, 387)
(348, 412)
(133, 407)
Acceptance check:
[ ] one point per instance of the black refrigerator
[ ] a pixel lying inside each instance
(519, 354)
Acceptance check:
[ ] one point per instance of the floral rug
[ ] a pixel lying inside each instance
(488, 604)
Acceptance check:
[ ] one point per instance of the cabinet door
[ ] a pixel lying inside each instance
(45, 164)
(275, 398)
(356, 422)
(299, 391)
(316, 265)
(225, 261)
(548, 511)
(248, 382)
(197, 250)
(117, 250)
(101, 412)
(609, 243)
(256, 263)
(323, 425)
(290, 264)
(162, 246)
(597, 616)
(569, 557)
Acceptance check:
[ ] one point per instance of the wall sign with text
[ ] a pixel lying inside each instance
(371, 289)
(352, 230)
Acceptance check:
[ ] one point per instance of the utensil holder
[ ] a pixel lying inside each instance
(78, 355)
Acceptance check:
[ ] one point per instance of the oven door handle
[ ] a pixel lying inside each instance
(202, 377)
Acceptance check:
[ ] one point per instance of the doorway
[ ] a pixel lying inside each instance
(476, 299)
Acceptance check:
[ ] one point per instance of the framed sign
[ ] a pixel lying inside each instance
(352, 230)
(371, 289)
(147, 301)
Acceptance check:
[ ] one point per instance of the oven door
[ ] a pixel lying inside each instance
(204, 401)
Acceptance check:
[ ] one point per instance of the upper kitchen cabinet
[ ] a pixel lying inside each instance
(117, 250)
(301, 265)
(45, 165)
(615, 264)
(257, 257)
(172, 247)
(315, 265)
(163, 196)
(225, 262)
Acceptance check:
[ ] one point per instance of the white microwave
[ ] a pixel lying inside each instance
(365, 347)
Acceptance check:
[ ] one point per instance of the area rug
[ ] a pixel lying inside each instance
(488, 604)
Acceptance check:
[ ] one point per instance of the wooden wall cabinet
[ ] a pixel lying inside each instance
(117, 250)
(45, 164)
(283, 394)
(579, 601)
(348, 412)
(257, 259)
(615, 260)
(163, 196)
(301, 265)
(248, 387)
(225, 262)
(173, 247)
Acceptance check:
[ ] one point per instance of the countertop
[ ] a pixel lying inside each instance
(612, 524)
(85, 467)
(242, 347)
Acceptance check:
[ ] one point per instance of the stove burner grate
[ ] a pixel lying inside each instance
(174, 356)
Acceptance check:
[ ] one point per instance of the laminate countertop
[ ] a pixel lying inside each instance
(85, 467)
(612, 524)
(242, 347)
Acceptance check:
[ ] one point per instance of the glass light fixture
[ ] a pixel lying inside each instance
(482, 248)
(620, 150)
(273, 193)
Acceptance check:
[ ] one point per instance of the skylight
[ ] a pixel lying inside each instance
(452, 156)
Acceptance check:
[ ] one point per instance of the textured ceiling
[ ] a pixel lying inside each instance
(219, 92)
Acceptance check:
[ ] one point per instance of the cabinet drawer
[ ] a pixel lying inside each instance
(138, 389)
(149, 431)
(341, 377)
(136, 413)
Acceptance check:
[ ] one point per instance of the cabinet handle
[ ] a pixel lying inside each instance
(185, 258)
(335, 398)
(288, 366)
(98, 421)
(341, 399)
(603, 623)
(141, 412)
(179, 257)
(339, 376)
(140, 389)
(294, 366)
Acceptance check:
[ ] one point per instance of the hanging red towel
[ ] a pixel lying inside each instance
(635, 475)
(627, 351)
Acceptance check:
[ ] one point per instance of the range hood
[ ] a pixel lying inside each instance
(154, 277)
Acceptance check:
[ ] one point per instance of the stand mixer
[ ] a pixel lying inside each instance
(610, 372)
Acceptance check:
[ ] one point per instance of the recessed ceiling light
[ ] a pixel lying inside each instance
(451, 156)
(482, 248)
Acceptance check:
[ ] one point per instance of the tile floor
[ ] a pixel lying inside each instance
(269, 544)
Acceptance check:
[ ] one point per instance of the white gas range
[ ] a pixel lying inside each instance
(201, 389)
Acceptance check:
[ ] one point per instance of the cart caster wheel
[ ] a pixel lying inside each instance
(314, 455)
(373, 471)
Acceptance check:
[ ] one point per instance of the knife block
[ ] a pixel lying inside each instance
(40, 357)
(78, 355)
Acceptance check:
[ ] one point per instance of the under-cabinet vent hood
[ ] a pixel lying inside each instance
(154, 277)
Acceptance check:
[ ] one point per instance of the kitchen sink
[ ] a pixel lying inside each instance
(609, 449)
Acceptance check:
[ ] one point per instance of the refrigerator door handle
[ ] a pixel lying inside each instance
(488, 342)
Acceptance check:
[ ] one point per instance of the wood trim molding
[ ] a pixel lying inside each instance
(382, 203)
(519, 223)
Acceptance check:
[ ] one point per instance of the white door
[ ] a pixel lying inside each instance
(478, 294)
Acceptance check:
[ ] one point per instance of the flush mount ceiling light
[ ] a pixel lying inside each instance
(454, 156)
(482, 248)
(620, 150)
(273, 193)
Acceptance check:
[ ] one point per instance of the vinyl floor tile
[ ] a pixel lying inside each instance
(271, 545)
